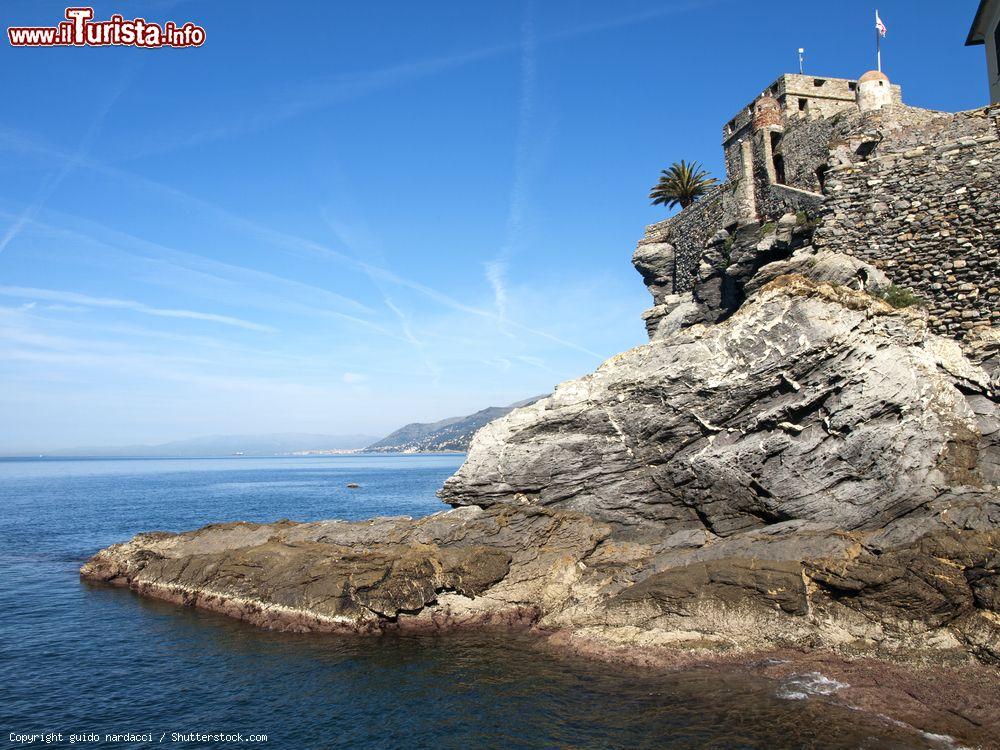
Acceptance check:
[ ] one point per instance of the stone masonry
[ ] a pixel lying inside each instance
(928, 217)
(912, 192)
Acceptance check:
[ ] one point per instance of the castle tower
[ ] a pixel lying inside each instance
(874, 91)
(769, 128)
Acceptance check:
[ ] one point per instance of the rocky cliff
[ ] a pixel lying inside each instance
(790, 462)
(814, 403)
(812, 469)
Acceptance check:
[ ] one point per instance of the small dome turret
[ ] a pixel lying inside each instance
(873, 75)
(766, 112)
(874, 91)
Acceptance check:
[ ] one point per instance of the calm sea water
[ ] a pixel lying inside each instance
(79, 658)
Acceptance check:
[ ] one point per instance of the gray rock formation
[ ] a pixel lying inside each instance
(832, 268)
(817, 471)
(812, 402)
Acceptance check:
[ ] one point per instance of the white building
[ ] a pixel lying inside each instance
(986, 30)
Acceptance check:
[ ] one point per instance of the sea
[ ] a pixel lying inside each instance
(88, 665)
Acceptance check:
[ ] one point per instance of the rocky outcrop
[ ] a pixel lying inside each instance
(734, 265)
(813, 402)
(933, 586)
(464, 566)
(815, 470)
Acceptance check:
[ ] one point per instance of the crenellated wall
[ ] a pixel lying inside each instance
(800, 98)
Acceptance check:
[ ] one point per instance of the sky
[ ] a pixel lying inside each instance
(342, 217)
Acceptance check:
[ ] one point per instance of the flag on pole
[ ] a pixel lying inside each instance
(879, 26)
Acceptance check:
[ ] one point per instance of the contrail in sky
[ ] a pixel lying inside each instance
(74, 298)
(496, 269)
(326, 92)
(54, 180)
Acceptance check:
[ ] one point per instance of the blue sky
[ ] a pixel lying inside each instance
(340, 217)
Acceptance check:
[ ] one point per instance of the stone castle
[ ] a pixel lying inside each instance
(827, 164)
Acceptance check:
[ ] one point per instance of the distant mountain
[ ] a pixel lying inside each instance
(449, 435)
(282, 443)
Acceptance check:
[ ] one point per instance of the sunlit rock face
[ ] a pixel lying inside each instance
(812, 402)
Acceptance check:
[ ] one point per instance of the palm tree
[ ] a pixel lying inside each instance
(681, 185)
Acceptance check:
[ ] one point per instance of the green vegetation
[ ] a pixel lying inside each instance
(681, 185)
(803, 219)
(900, 297)
(727, 250)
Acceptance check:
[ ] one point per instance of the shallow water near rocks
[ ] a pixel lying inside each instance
(81, 658)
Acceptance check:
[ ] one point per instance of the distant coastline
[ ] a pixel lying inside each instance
(449, 436)
(269, 444)
(215, 457)
(367, 452)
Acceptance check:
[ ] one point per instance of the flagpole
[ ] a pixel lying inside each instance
(878, 43)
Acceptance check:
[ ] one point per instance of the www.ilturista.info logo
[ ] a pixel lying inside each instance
(80, 30)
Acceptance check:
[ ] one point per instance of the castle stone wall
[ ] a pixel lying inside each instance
(906, 128)
(778, 200)
(814, 96)
(929, 217)
(688, 232)
(911, 191)
(804, 146)
(800, 98)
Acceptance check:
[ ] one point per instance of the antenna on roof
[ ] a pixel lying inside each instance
(802, 52)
